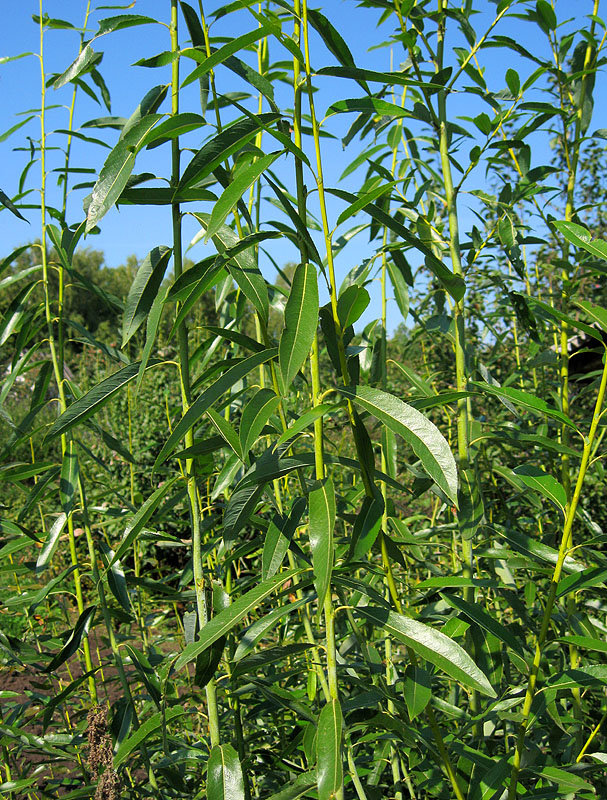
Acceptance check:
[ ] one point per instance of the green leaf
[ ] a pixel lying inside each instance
(298, 223)
(363, 201)
(569, 781)
(427, 441)
(258, 629)
(431, 645)
(597, 313)
(150, 726)
(539, 551)
(580, 237)
(513, 82)
(454, 284)
(276, 543)
(541, 482)
(482, 618)
(93, 400)
(230, 617)
(151, 329)
(241, 264)
(593, 576)
(305, 420)
(369, 105)
(322, 525)
(210, 396)
(546, 14)
(14, 313)
(69, 479)
(367, 526)
(219, 56)
(255, 414)
(301, 321)
(121, 22)
(221, 147)
(526, 400)
(297, 788)
(224, 774)
(329, 766)
(351, 304)
(117, 169)
(176, 125)
(144, 290)
(417, 690)
(51, 543)
(471, 511)
(553, 312)
(269, 655)
(81, 629)
(115, 577)
(399, 285)
(136, 524)
(83, 61)
(243, 179)
(586, 642)
(8, 203)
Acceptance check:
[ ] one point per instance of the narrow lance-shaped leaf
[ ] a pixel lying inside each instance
(255, 415)
(243, 179)
(431, 645)
(210, 396)
(51, 543)
(221, 146)
(484, 620)
(580, 237)
(68, 479)
(224, 774)
(279, 534)
(93, 400)
(14, 313)
(142, 733)
(428, 443)
(417, 690)
(141, 517)
(330, 774)
(144, 290)
(370, 105)
(81, 629)
(117, 169)
(301, 321)
(526, 400)
(230, 617)
(242, 265)
(542, 482)
(8, 203)
(151, 329)
(322, 523)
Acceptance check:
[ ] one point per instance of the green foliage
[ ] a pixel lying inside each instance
(290, 553)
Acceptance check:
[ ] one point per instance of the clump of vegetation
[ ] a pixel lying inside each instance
(252, 546)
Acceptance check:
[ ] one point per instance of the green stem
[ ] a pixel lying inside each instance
(66, 447)
(184, 372)
(460, 328)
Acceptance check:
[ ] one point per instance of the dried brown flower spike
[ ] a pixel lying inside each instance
(100, 756)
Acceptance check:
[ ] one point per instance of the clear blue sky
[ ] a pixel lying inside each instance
(133, 231)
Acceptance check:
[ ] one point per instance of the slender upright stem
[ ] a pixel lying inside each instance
(184, 371)
(459, 318)
(56, 354)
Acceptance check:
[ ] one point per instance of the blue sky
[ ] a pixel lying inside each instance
(133, 231)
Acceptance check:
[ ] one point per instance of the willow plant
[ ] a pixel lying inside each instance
(373, 603)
